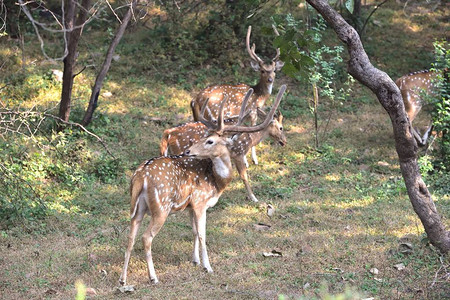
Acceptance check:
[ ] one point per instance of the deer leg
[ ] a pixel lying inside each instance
(200, 218)
(427, 134)
(195, 255)
(135, 223)
(155, 225)
(242, 169)
(253, 117)
(417, 136)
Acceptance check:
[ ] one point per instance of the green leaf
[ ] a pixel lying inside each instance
(350, 5)
(289, 69)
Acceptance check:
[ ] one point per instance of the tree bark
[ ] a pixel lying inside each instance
(388, 94)
(106, 65)
(73, 37)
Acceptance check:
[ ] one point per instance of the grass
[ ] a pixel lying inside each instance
(339, 211)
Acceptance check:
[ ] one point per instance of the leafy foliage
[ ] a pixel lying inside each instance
(435, 165)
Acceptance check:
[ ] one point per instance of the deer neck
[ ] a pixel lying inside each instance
(246, 141)
(257, 137)
(263, 89)
(222, 170)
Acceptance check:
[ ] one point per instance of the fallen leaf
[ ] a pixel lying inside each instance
(378, 279)
(273, 253)
(405, 248)
(374, 271)
(261, 226)
(306, 285)
(400, 266)
(90, 291)
(383, 164)
(270, 210)
(107, 94)
(126, 289)
(104, 273)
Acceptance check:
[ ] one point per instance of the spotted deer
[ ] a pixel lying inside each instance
(194, 180)
(235, 93)
(176, 140)
(412, 87)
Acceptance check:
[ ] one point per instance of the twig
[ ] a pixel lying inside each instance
(24, 115)
(5, 172)
(370, 15)
(113, 11)
(446, 275)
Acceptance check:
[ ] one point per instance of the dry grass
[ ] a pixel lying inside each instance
(332, 228)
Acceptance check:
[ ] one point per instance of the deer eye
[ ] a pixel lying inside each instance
(262, 71)
(209, 142)
(281, 128)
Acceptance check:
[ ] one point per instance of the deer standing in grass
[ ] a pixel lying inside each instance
(176, 140)
(235, 93)
(412, 87)
(194, 180)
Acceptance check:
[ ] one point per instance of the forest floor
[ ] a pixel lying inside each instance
(342, 223)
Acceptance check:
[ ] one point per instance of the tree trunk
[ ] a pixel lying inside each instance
(106, 65)
(389, 96)
(73, 37)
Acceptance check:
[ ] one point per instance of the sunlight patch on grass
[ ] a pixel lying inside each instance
(333, 177)
(239, 210)
(297, 129)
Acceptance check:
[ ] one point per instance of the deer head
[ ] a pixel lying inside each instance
(267, 70)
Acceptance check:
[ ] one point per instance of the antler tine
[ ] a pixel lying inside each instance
(261, 113)
(220, 120)
(266, 122)
(277, 56)
(278, 49)
(243, 113)
(251, 51)
(201, 117)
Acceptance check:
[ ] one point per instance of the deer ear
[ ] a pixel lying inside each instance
(278, 65)
(255, 65)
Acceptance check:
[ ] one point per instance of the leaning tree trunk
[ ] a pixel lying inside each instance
(388, 94)
(106, 65)
(73, 37)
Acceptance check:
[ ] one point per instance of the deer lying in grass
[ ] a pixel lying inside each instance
(194, 180)
(176, 140)
(235, 93)
(412, 88)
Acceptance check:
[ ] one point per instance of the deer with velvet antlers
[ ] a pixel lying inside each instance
(194, 180)
(235, 93)
(176, 140)
(412, 87)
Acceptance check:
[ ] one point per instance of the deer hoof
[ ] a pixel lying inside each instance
(209, 270)
(154, 281)
(253, 198)
(195, 263)
(122, 282)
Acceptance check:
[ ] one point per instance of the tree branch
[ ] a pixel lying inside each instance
(388, 94)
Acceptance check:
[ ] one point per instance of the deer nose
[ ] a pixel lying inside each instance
(270, 79)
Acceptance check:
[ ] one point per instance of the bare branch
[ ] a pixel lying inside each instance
(61, 24)
(113, 11)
